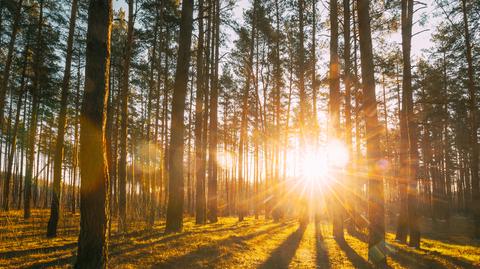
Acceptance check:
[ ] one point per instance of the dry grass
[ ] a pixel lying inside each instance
(226, 244)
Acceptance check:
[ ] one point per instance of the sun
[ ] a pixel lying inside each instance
(320, 166)
(337, 154)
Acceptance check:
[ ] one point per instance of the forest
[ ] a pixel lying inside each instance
(239, 134)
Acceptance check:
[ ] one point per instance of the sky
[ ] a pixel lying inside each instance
(419, 42)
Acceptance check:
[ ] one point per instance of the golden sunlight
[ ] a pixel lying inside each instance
(319, 167)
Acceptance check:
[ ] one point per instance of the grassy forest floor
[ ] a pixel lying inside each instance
(230, 244)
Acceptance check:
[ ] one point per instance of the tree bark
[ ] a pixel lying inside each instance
(376, 210)
(348, 106)
(334, 114)
(277, 207)
(94, 196)
(175, 199)
(33, 118)
(122, 163)
(212, 158)
(62, 119)
(200, 203)
(301, 74)
(413, 225)
(242, 186)
(473, 122)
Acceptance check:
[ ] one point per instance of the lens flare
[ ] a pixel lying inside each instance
(318, 167)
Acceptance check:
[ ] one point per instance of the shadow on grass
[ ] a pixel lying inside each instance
(23, 252)
(457, 261)
(214, 252)
(21, 234)
(357, 260)
(53, 263)
(412, 259)
(157, 237)
(283, 254)
(321, 249)
(116, 250)
(359, 235)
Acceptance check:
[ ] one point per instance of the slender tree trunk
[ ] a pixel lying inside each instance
(62, 120)
(348, 106)
(357, 179)
(402, 223)
(22, 158)
(301, 74)
(277, 208)
(200, 211)
(473, 121)
(315, 126)
(152, 182)
(212, 158)
(14, 133)
(94, 196)
(242, 186)
(122, 165)
(76, 138)
(334, 113)
(175, 199)
(189, 152)
(33, 118)
(376, 210)
(413, 225)
(446, 139)
(206, 87)
(8, 62)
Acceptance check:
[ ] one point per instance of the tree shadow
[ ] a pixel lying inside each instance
(359, 235)
(211, 253)
(357, 260)
(53, 263)
(117, 250)
(23, 252)
(321, 249)
(457, 261)
(283, 254)
(162, 237)
(412, 259)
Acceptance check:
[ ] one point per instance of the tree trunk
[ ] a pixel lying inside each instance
(33, 118)
(277, 208)
(152, 182)
(94, 196)
(212, 158)
(413, 225)
(402, 223)
(8, 62)
(200, 211)
(62, 119)
(122, 164)
(348, 106)
(376, 210)
(14, 133)
(242, 203)
(175, 199)
(301, 75)
(473, 122)
(334, 114)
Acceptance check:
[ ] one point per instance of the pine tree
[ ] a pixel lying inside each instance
(94, 196)
(175, 199)
(376, 210)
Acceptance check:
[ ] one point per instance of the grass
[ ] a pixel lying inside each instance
(226, 244)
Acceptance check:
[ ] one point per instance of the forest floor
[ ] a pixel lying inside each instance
(230, 244)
